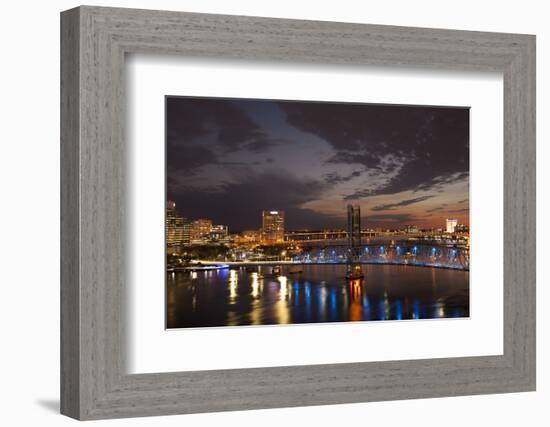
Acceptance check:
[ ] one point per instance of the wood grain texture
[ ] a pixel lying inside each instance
(94, 382)
(70, 333)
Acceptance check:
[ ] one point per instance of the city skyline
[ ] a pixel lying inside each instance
(182, 231)
(227, 160)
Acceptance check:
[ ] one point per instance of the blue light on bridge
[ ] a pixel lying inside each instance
(431, 256)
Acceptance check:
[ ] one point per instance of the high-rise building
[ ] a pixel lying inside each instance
(411, 229)
(200, 230)
(273, 226)
(177, 228)
(186, 232)
(461, 228)
(219, 233)
(451, 224)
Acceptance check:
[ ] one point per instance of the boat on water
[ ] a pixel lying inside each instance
(354, 272)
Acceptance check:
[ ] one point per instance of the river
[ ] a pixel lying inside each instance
(317, 293)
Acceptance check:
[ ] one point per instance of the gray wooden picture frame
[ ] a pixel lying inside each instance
(94, 381)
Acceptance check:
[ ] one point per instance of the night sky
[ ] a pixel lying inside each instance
(229, 159)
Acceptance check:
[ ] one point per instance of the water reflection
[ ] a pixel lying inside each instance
(255, 284)
(320, 293)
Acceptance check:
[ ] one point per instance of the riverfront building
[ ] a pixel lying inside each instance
(219, 233)
(273, 226)
(200, 230)
(451, 224)
(178, 230)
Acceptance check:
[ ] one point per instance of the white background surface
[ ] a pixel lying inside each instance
(153, 349)
(29, 172)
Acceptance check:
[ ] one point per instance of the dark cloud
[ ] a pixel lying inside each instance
(224, 163)
(201, 130)
(263, 150)
(359, 194)
(239, 205)
(424, 146)
(435, 209)
(439, 182)
(335, 178)
(184, 160)
(390, 218)
(407, 202)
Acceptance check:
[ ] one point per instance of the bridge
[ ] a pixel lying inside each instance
(400, 253)
(354, 253)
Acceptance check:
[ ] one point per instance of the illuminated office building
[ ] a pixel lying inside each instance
(411, 229)
(451, 224)
(177, 228)
(273, 226)
(200, 230)
(219, 233)
(461, 228)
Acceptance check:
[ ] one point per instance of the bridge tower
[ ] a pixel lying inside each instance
(354, 270)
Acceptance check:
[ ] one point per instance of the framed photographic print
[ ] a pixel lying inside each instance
(262, 213)
(264, 203)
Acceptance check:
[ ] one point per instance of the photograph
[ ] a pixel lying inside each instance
(282, 212)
